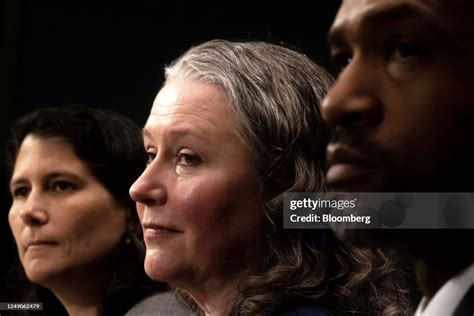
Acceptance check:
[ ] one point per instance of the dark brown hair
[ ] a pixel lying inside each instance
(110, 145)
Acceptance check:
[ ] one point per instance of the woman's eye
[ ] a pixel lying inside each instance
(149, 157)
(185, 159)
(20, 192)
(59, 186)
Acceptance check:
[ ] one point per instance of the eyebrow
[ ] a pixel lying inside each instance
(388, 13)
(179, 131)
(48, 177)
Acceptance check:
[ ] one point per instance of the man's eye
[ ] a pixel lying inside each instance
(185, 159)
(59, 186)
(150, 156)
(404, 51)
(341, 60)
(20, 192)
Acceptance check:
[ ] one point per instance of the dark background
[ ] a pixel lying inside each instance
(112, 54)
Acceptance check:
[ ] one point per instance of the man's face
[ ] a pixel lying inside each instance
(402, 105)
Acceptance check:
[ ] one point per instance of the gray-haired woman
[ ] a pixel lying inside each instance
(235, 126)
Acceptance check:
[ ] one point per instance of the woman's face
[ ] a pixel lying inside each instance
(62, 218)
(198, 199)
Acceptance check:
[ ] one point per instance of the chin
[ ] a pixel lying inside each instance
(159, 270)
(39, 275)
(373, 183)
(152, 270)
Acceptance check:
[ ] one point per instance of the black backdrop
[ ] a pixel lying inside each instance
(112, 54)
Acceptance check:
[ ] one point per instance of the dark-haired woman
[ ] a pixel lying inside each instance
(78, 237)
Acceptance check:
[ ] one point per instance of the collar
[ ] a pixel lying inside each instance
(448, 297)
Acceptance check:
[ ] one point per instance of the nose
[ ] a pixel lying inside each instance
(353, 101)
(149, 189)
(34, 211)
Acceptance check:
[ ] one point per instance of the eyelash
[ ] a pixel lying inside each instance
(61, 185)
(403, 50)
(55, 186)
(341, 60)
(188, 160)
(150, 156)
(182, 159)
(20, 192)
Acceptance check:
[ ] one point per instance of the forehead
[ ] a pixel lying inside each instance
(187, 101)
(36, 145)
(447, 15)
(42, 154)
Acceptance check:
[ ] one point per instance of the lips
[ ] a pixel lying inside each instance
(349, 167)
(155, 230)
(38, 243)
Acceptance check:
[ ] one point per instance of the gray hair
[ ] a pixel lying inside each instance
(276, 93)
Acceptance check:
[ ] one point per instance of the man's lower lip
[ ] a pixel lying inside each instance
(345, 174)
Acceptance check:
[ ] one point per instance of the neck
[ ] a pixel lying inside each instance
(82, 310)
(215, 296)
(215, 288)
(434, 270)
(79, 292)
(431, 279)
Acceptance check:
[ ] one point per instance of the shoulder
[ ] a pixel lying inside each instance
(159, 304)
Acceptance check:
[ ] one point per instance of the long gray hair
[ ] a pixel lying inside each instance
(275, 93)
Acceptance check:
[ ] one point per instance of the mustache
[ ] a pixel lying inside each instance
(356, 141)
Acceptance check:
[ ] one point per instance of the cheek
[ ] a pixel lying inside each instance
(222, 228)
(107, 224)
(15, 222)
(203, 205)
(140, 210)
(99, 226)
(222, 209)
